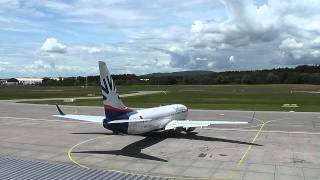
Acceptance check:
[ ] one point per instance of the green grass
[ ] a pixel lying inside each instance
(233, 97)
(38, 92)
(34, 92)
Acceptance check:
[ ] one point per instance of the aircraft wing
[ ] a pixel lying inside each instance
(96, 119)
(99, 119)
(194, 124)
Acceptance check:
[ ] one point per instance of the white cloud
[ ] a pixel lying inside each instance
(290, 44)
(315, 53)
(4, 63)
(9, 4)
(259, 36)
(231, 59)
(40, 65)
(41, 68)
(94, 50)
(179, 35)
(197, 26)
(52, 45)
(316, 42)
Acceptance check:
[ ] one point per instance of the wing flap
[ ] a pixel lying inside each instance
(189, 123)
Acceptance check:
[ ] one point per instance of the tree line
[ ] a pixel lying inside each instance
(121, 79)
(304, 74)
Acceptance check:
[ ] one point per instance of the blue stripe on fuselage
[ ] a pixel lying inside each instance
(115, 115)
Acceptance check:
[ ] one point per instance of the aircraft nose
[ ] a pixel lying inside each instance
(183, 107)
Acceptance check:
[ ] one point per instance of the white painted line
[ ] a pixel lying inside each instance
(217, 129)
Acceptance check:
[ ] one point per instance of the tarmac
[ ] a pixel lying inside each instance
(274, 145)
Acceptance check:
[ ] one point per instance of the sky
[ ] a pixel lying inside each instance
(41, 38)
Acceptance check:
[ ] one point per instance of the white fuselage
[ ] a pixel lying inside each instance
(157, 117)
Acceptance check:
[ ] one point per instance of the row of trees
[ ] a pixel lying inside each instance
(90, 80)
(300, 75)
(304, 74)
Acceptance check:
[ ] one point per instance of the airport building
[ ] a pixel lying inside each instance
(30, 81)
(3, 82)
(21, 81)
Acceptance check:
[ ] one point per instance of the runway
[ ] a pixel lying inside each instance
(275, 145)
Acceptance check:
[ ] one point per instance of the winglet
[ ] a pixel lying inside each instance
(60, 111)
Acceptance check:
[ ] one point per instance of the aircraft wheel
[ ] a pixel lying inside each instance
(189, 130)
(115, 132)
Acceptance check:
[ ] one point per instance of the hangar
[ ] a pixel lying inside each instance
(21, 81)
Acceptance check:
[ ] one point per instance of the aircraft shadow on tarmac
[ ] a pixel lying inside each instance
(134, 149)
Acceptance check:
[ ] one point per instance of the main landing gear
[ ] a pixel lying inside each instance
(186, 130)
(189, 130)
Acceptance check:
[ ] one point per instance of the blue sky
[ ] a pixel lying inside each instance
(67, 38)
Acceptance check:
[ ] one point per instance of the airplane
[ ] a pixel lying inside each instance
(122, 120)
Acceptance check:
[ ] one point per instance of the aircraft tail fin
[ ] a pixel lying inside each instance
(113, 105)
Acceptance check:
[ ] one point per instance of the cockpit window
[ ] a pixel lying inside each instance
(181, 109)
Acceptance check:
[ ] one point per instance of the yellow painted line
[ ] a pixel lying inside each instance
(233, 173)
(76, 145)
(249, 148)
(274, 120)
(248, 127)
(222, 178)
(261, 121)
(81, 165)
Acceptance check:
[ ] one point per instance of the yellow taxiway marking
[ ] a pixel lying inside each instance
(89, 140)
(76, 145)
(250, 146)
(239, 163)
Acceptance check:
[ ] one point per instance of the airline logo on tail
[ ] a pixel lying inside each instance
(112, 103)
(107, 86)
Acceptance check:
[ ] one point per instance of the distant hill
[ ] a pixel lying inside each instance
(180, 73)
